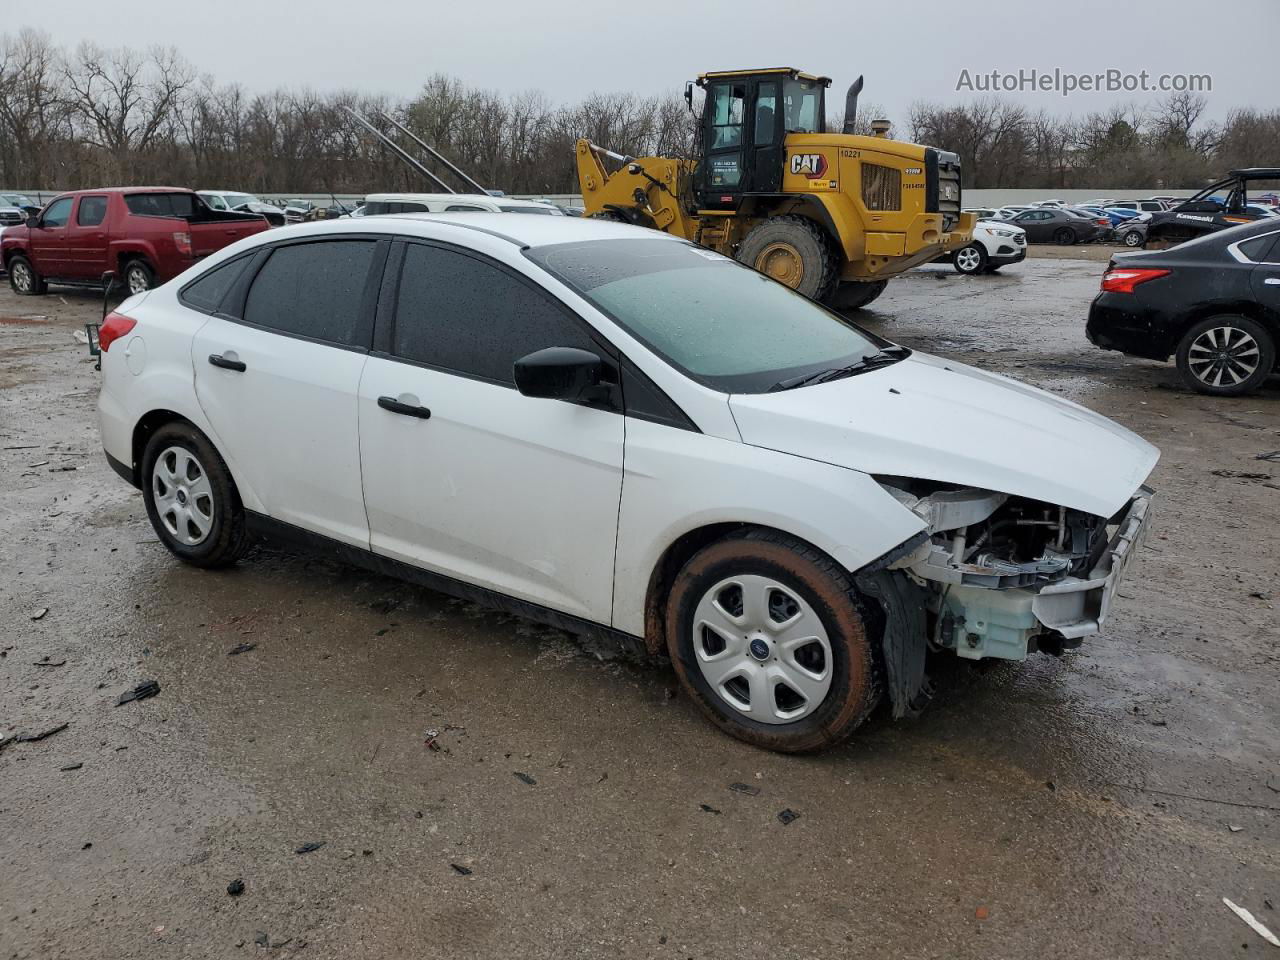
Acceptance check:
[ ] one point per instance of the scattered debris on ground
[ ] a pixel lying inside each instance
(1249, 918)
(39, 614)
(70, 766)
(148, 688)
(241, 648)
(310, 847)
(707, 808)
(461, 870)
(235, 888)
(745, 788)
(788, 816)
(525, 778)
(43, 734)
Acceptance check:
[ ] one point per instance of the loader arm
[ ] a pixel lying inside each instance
(644, 190)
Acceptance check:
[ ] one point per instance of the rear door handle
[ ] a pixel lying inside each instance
(1272, 281)
(227, 363)
(408, 409)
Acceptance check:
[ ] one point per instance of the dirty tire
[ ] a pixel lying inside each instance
(228, 538)
(23, 278)
(795, 252)
(138, 277)
(1247, 349)
(1132, 239)
(855, 296)
(970, 260)
(855, 671)
(1064, 236)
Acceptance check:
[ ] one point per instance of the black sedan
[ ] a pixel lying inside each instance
(1213, 303)
(1049, 225)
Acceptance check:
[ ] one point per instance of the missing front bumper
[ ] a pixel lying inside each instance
(980, 622)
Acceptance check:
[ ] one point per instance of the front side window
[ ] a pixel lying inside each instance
(726, 104)
(802, 101)
(715, 320)
(467, 316)
(314, 290)
(57, 214)
(93, 210)
(215, 201)
(766, 114)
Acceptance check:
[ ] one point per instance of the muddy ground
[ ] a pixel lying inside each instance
(1098, 805)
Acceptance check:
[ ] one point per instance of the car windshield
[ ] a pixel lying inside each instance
(715, 320)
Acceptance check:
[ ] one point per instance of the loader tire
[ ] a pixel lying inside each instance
(794, 251)
(855, 296)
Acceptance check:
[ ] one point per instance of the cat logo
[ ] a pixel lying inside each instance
(812, 165)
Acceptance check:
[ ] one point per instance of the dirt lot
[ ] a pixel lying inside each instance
(1098, 805)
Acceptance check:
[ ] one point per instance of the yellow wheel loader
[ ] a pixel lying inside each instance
(832, 215)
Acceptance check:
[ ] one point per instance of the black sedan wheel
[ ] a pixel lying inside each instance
(1064, 236)
(1226, 356)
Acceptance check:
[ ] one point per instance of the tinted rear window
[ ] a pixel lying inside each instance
(93, 210)
(314, 290)
(161, 204)
(206, 293)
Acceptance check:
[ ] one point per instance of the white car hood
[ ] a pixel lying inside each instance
(935, 419)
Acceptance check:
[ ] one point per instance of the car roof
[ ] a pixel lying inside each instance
(453, 198)
(517, 228)
(247, 193)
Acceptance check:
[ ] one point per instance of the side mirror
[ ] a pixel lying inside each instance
(688, 94)
(33, 219)
(561, 373)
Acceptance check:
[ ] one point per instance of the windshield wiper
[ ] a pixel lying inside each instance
(882, 358)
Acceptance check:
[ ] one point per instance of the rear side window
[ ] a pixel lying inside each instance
(467, 316)
(161, 204)
(461, 208)
(93, 210)
(314, 290)
(206, 292)
(1258, 249)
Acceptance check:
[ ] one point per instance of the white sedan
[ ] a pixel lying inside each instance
(622, 433)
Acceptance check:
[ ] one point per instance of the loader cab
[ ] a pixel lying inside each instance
(746, 117)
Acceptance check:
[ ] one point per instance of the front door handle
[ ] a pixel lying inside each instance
(1272, 281)
(408, 409)
(227, 363)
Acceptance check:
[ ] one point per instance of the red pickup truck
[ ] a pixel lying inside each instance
(147, 235)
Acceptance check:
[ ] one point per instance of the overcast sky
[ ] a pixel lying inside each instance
(908, 50)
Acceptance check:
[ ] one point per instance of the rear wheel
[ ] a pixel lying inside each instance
(191, 499)
(1132, 239)
(23, 278)
(138, 277)
(793, 251)
(970, 260)
(768, 641)
(1064, 236)
(1226, 356)
(855, 296)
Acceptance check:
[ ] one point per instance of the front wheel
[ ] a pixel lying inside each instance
(793, 251)
(767, 639)
(23, 278)
(970, 260)
(1226, 356)
(191, 499)
(1064, 236)
(138, 277)
(855, 296)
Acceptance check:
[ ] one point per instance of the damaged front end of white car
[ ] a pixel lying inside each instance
(1006, 576)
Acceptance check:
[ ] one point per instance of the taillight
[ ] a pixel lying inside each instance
(1123, 280)
(113, 328)
(182, 240)
(1102, 223)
